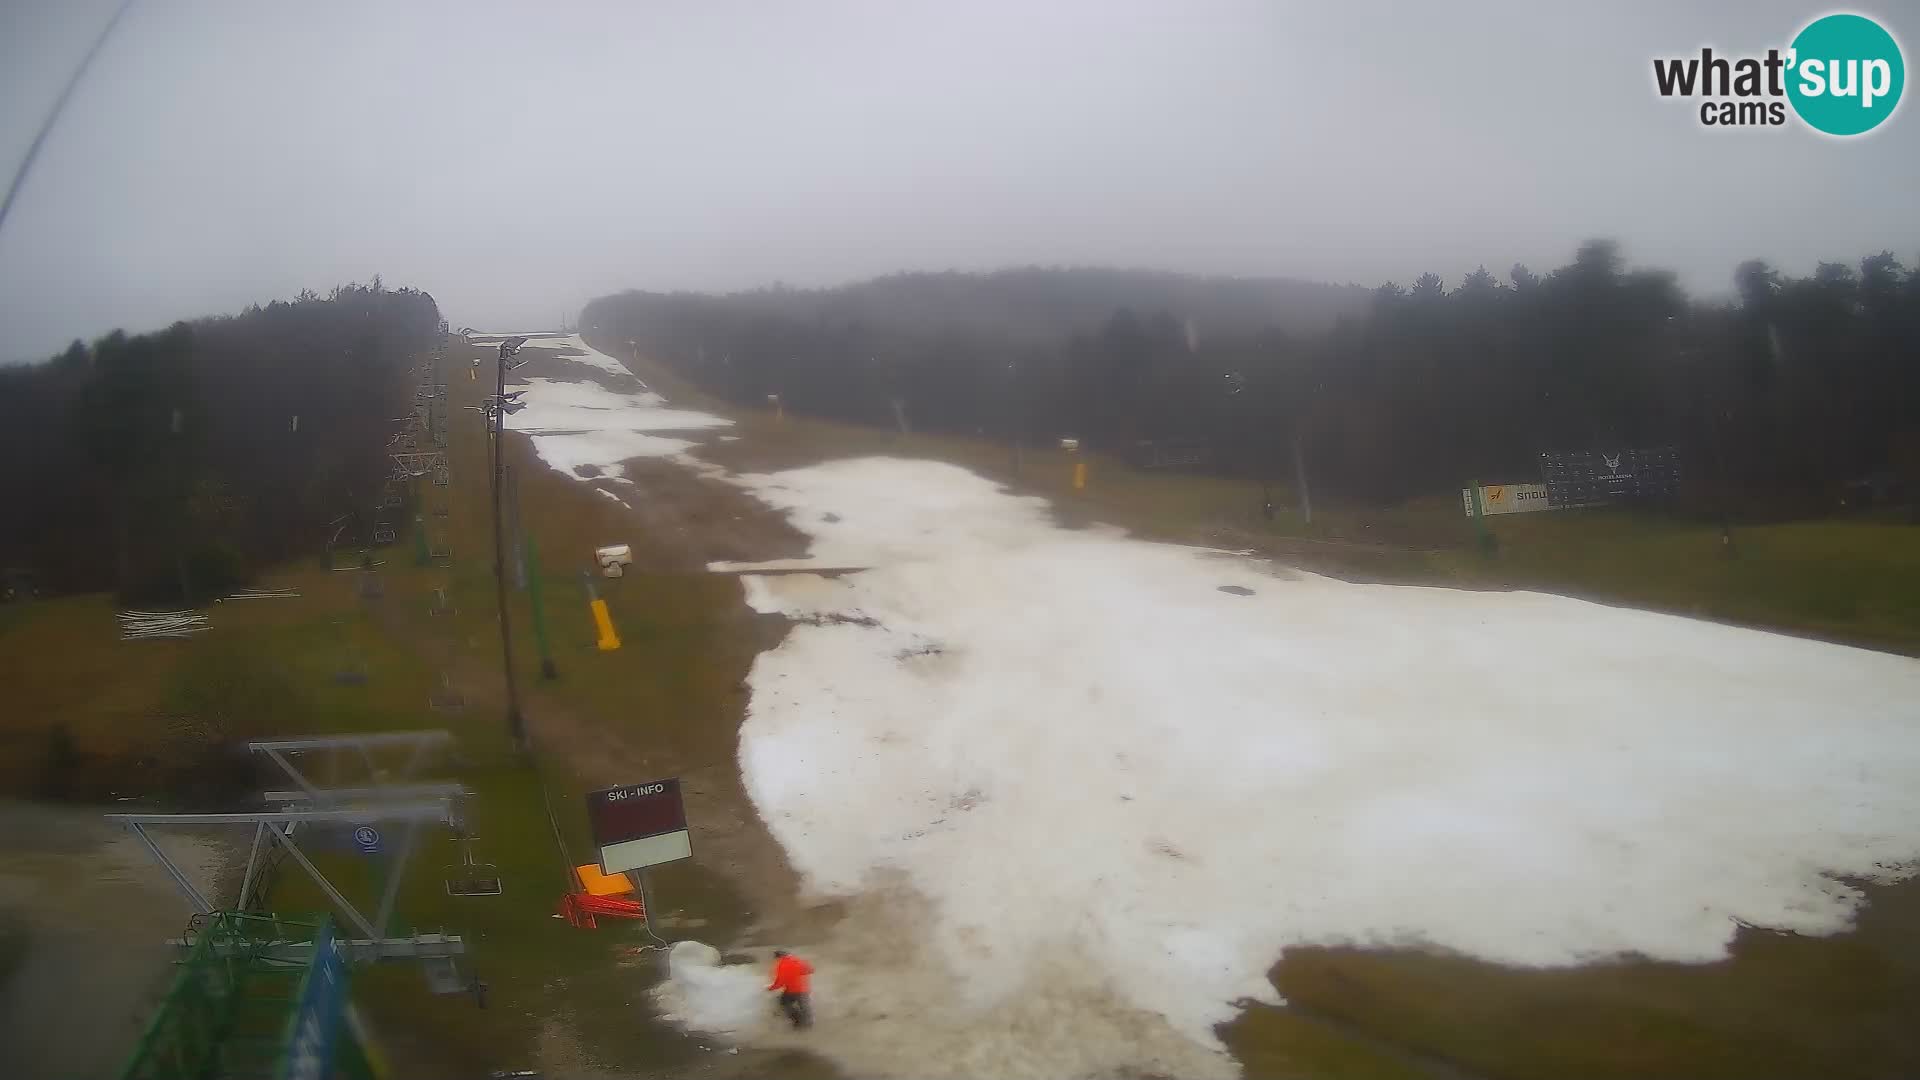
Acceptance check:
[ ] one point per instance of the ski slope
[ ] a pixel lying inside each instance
(1078, 800)
(1111, 794)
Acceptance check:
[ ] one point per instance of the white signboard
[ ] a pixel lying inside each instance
(1508, 499)
(646, 851)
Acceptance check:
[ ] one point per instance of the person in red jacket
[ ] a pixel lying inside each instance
(791, 976)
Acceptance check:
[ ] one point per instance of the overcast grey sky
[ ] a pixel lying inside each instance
(516, 159)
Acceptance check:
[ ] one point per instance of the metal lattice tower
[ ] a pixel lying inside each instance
(257, 997)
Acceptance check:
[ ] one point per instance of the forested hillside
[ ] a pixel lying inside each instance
(183, 460)
(1030, 304)
(1775, 400)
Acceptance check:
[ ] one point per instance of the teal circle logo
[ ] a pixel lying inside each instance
(1846, 74)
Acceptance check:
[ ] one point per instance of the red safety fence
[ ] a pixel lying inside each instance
(581, 908)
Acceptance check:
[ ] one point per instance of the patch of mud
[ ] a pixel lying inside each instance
(837, 618)
(700, 519)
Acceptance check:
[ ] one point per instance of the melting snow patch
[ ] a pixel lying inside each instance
(583, 354)
(1113, 796)
(595, 455)
(585, 431)
(532, 336)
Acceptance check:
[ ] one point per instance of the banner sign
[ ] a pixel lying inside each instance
(639, 825)
(1597, 478)
(316, 1018)
(1508, 499)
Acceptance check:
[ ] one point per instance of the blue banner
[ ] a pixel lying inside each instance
(316, 1018)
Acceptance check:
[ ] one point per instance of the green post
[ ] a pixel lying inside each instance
(1477, 510)
(420, 557)
(530, 556)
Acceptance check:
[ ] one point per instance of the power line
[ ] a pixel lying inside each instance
(53, 114)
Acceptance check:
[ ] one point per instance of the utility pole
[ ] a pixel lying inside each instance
(1300, 476)
(184, 511)
(1016, 426)
(1712, 402)
(516, 723)
(1252, 462)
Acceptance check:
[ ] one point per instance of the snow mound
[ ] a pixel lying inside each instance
(703, 993)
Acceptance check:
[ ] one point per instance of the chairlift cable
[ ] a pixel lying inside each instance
(53, 113)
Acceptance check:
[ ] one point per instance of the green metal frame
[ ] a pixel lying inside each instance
(230, 1011)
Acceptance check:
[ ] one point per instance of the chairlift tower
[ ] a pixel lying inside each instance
(239, 1010)
(418, 462)
(264, 995)
(516, 723)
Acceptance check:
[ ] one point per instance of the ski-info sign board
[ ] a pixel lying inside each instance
(639, 825)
